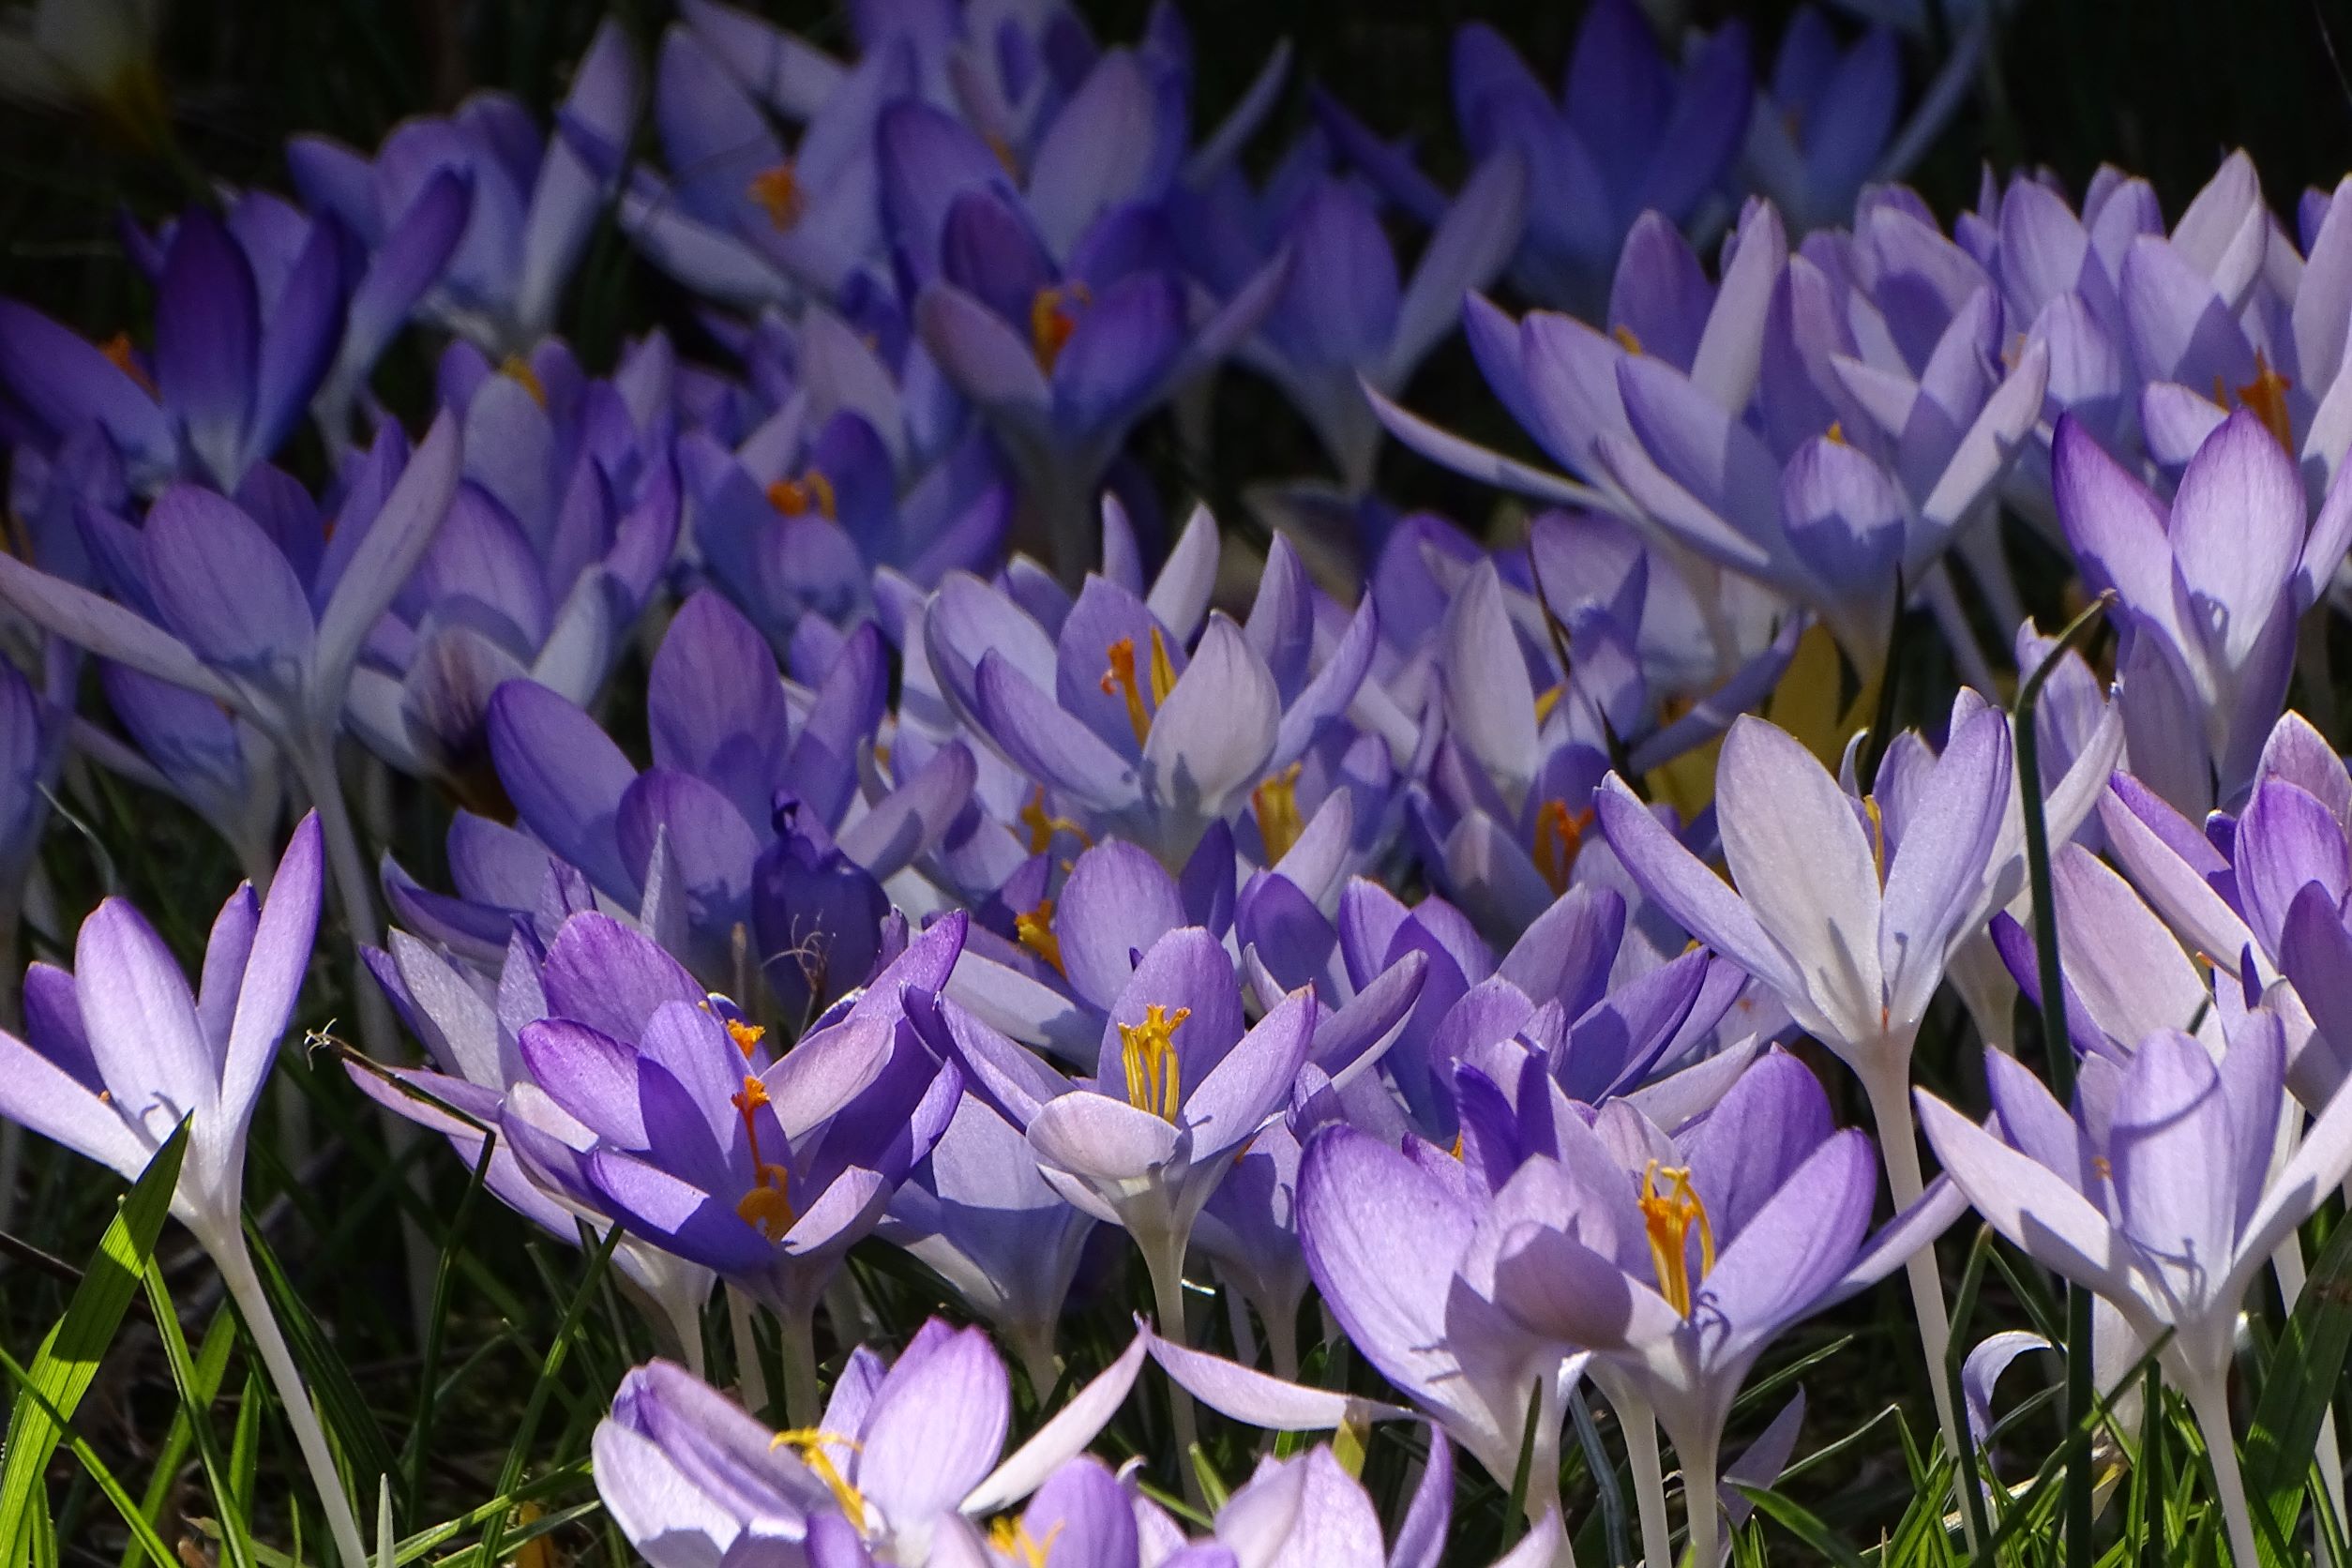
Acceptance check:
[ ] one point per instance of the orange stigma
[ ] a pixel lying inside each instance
(1668, 1217)
(120, 355)
(1559, 838)
(1053, 316)
(768, 1206)
(1035, 929)
(808, 1444)
(747, 1037)
(516, 368)
(778, 194)
(1119, 681)
(2265, 395)
(811, 492)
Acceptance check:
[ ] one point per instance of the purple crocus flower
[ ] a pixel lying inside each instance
(120, 1053)
(1401, 1248)
(766, 1171)
(2159, 1192)
(756, 791)
(2208, 594)
(565, 522)
(1823, 120)
(1628, 133)
(1846, 916)
(905, 1453)
(978, 1214)
(532, 203)
(1676, 1275)
(470, 1025)
(1129, 723)
(238, 354)
(1344, 313)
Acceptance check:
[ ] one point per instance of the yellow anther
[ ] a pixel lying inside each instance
(778, 193)
(1053, 318)
(1010, 1538)
(1625, 338)
(117, 350)
(808, 1444)
(1836, 432)
(2266, 396)
(1548, 699)
(1276, 804)
(515, 368)
(1155, 1081)
(747, 1037)
(1043, 824)
(1878, 835)
(811, 492)
(1558, 838)
(1035, 929)
(1004, 150)
(1668, 1217)
(2100, 1169)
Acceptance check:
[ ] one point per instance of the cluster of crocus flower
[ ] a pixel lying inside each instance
(998, 871)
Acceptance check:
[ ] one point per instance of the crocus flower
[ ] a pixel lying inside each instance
(533, 204)
(235, 365)
(2208, 594)
(1677, 1277)
(766, 1171)
(979, 1214)
(469, 1027)
(1846, 921)
(1823, 119)
(120, 1053)
(1627, 133)
(1344, 313)
(905, 1452)
(2159, 1193)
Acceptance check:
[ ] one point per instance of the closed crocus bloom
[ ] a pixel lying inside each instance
(2159, 1192)
(2209, 592)
(119, 1052)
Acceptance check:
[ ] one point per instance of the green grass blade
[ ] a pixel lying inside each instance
(347, 1416)
(68, 1360)
(142, 1533)
(1800, 1522)
(212, 1365)
(550, 1368)
(2304, 1369)
(236, 1535)
(428, 1392)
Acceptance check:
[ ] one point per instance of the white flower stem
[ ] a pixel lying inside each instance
(1640, 1427)
(751, 1378)
(245, 1287)
(803, 1399)
(2209, 1401)
(1890, 1095)
(1700, 1504)
(1164, 1258)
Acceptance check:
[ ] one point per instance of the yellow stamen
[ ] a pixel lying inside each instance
(1625, 338)
(1043, 824)
(1878, 835)
(1836, 432)
(1119, 681)
(1035, 929)
(1276, 804)
(117, 350)
(1053, 317)
(811, 492)
(516, 368)
(1149, 1051)
(1548, 699)
(1668, 1217)
(2266, 396)
(1558, 838)
(747, 1037)
(768, 1206)
(808, 1444)
(778, 193)
(1011, 1538)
